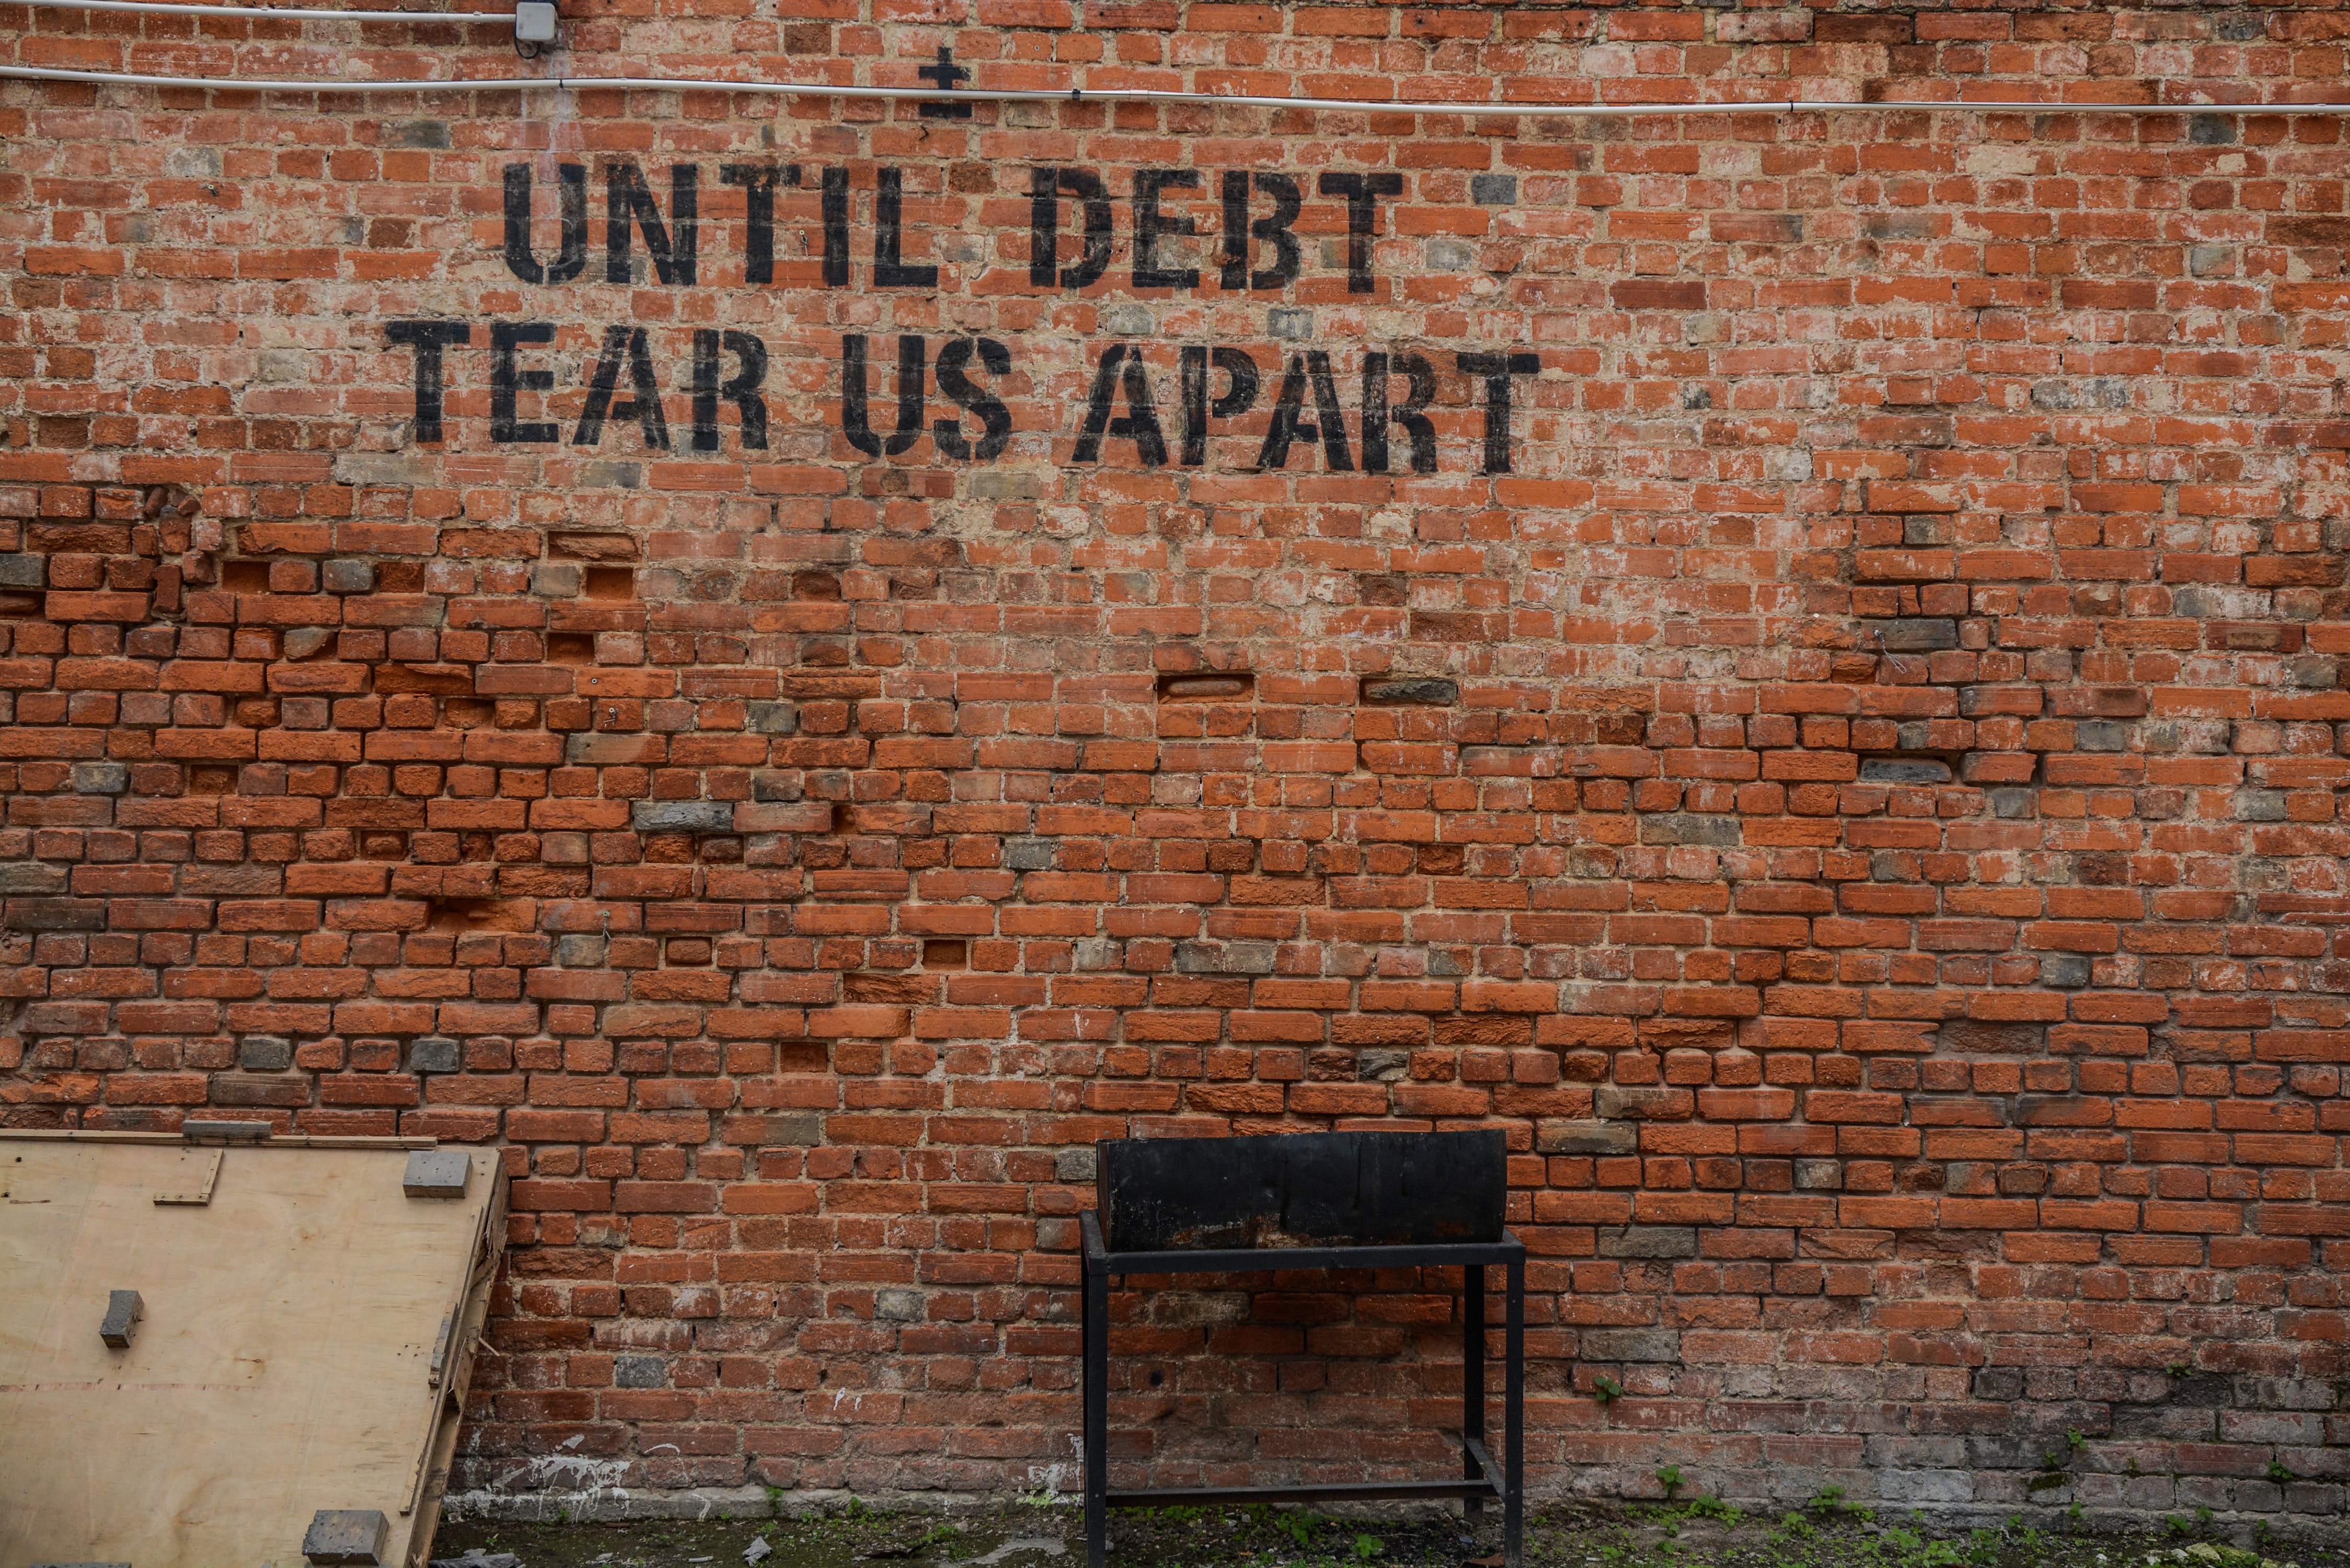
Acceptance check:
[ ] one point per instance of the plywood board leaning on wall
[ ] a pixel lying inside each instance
(296, 1334)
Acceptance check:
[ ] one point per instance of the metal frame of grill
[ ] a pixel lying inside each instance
(1481, 1478)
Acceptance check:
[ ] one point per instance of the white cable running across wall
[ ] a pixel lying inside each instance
(1480, 107)
(268, 12)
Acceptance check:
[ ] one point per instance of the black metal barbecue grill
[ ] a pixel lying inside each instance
(1313, 1200)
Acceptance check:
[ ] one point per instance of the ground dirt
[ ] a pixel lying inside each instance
(1827, 1533)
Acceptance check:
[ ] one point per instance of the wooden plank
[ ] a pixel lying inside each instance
(177, 1141)
(285, 1363)
(450, 1413)
(202, 1192)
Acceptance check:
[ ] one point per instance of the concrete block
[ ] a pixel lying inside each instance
(32, 877)
(1494, 190)
(1226, 958)
(1632, 1344)
(639, 1372)
(434, 1053)
(1027, 854)
(612, 475)
(279, 1091)
(682, 816)
(1644, 1241)
(22, 571)
(2013, 803)
(1818, 1175)
(416, 134)
(346, 1535)
(1689, 827)
(1129, 318)
(1643, 1104)
(2066, 972)
(2260, 806)
(1919, 634)
(1559, 1135)
(1426, 692)
(1074, 1164)
(777, 1129)
(2101, 735)
(396, 468)
(1926, 1486)
(348, 576)
(579, 951)
(123, 1311)
(303, 641)
(2314, 673)
(264, 1054)
(1904, 769)
(56, 914)
(898, 1305)
(763, 718)
(557, 578)
(607, 751)
(437, 1173)
(237, 1131)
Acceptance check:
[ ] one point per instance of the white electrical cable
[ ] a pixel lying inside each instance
(266, 13)
(1482, 107)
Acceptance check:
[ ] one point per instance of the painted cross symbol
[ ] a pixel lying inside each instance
(946, 74)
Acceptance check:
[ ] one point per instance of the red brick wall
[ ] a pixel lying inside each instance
(1877, 857)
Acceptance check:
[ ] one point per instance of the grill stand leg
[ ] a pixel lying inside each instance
(1514, 1418)
(1472, 1382)
(1096, 1416)
(1094, 1334)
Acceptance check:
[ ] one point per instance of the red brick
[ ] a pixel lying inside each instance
(1887, 800)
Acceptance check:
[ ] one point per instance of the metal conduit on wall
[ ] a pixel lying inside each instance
(1073, 95)
(1070, 95)
(269, 13)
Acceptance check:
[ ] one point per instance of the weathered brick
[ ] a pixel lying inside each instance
(1847, 772)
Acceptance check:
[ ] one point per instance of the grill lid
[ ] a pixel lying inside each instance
(1302, 1189)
